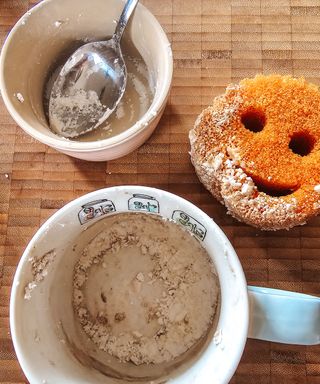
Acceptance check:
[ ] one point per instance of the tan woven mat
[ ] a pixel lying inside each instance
(214, 42)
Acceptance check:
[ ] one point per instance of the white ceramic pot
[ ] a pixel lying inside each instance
(36, 41)
(36, 324)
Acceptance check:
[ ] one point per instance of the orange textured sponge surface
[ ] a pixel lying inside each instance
(260, 143)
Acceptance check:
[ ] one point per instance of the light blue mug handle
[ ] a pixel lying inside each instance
(283, 316)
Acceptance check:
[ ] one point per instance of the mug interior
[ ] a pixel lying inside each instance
(37, 41)
(47, 342)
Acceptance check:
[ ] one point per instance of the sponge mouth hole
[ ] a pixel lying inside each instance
(254, 120)
(272, 190)
(302, 143)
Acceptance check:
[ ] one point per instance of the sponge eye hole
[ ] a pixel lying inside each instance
(302, 143)
(254, 120)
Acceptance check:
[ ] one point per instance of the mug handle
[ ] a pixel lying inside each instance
(283, 316)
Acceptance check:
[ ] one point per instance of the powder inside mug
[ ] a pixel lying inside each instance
(145, 290)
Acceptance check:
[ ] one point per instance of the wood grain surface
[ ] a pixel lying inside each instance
(214, 42)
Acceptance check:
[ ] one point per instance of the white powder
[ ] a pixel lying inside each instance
(217, 337)
(19, 97)
(233, 87)
(28, 289)
(316, 205)
(217, 161)
(120, 110)
(247, 189)
(157, 296)
(141, 90)
(234, 154)
(141, 68)
(135, 103)
(69, 114)
(140, 277)
(39, 267)
(317, 188)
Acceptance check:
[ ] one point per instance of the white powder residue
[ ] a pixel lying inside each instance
(120, 110)
(67, 122)
(217, 337)
(234, 154)
(19, 96)
(107, 127)
(28, 289)
(140, 277)
(69, 115)
(192, 137)
(217, 161)
(224, 118)
(233, 87)
(141, 68)
(316, 206)
(25, 18)
(213, 162)
(141, 90)
(238, 196)
(157, 296)
(317, 188)
(39, 267)
(247, 189)
(192, 133)
(36, 336)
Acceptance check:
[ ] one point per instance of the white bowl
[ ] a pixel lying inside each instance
(34, 44)
(39, 336)
(35, 327)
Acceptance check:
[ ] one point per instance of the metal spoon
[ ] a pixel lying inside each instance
(90, 84)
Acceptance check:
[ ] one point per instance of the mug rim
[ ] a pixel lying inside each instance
(75, 146)
(242, 328)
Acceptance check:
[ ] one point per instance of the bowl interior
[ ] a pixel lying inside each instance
(48, 344)
(49, 29)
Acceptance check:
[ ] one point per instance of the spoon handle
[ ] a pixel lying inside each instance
(124, 18)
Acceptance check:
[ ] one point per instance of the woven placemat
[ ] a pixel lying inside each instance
(214, 42)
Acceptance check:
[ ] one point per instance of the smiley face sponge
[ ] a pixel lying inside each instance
(257, 150)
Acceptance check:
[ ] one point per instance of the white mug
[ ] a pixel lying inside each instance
(36, 325)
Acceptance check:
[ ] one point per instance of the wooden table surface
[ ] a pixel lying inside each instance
(214, 43)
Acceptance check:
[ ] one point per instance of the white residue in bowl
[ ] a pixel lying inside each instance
(39, 267)
(135, 102)
(19, 96)
(67, 112)
(144, 290)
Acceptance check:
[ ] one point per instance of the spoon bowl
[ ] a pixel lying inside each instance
(90, 85)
